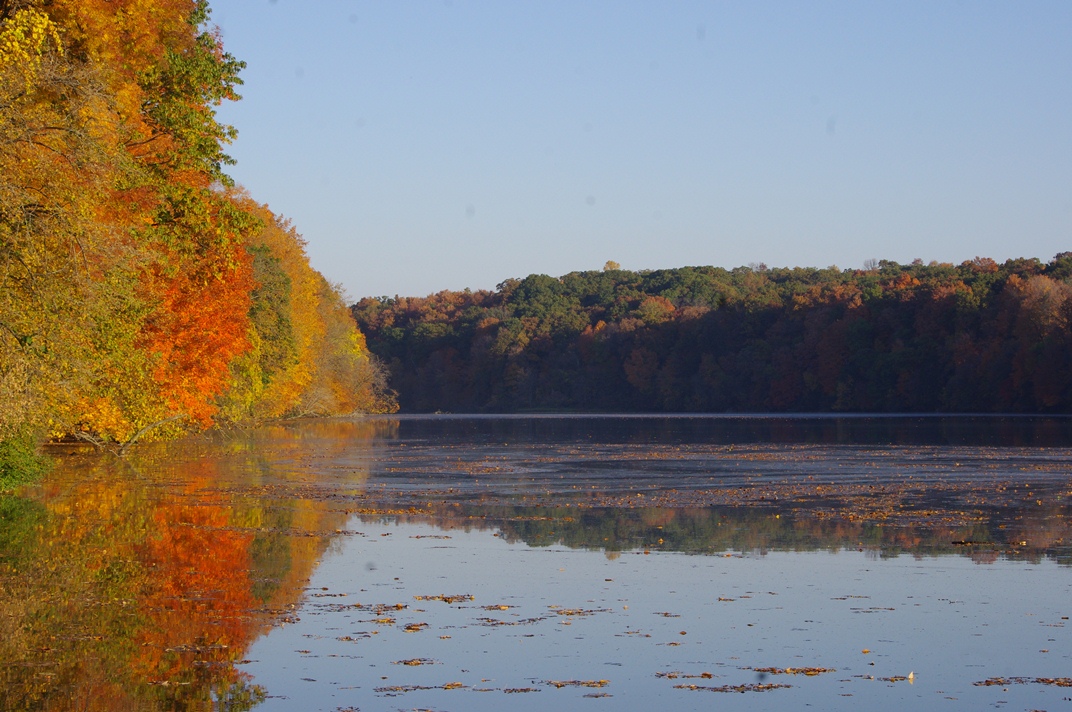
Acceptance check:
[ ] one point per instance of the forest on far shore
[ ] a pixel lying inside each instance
(975, 337)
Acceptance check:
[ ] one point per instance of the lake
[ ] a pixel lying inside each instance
(617, 562)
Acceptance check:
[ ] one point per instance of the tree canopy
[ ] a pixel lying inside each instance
(139, 291)
(974, 337)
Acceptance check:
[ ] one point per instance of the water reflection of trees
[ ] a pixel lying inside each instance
(1019, 531)
(141, 584)
(121, 599)
(782, 429)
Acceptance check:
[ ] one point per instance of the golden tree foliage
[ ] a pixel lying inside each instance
(346, 378)
(22, 41)
(54, 258)
(308, 358)
(131, 287)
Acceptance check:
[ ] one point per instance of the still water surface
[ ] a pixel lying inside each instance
(459, 563)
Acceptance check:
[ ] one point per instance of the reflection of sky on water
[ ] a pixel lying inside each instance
(949, 621)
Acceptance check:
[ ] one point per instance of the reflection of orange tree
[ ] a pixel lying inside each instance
(198, 596)
(206, 553)
(127, 594)
(64, 593)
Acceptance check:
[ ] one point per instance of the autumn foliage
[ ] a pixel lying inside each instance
(974, 337)
(133, 280)
(140, 584)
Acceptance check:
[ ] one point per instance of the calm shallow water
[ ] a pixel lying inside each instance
(572, 561)
(642, 626)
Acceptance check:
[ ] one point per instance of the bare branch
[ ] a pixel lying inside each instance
(151, 426)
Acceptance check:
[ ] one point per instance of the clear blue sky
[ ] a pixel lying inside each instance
(421, 146)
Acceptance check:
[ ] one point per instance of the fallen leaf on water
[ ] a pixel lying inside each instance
(734, 688)
(446, 598)
(673, 675)
(1004, 681)
(396, 689)
(809, 671)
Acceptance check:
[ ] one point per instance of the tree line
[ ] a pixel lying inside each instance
(974, 337)
(141, 293)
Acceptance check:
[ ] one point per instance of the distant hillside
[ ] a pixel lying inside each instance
(974, 337)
